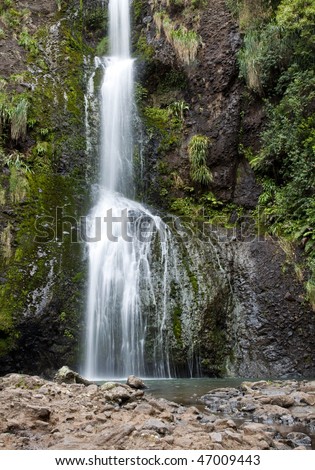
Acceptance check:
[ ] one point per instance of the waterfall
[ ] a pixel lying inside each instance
(124, 237)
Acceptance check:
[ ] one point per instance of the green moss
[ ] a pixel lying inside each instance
(103, 47)
(33, 188)
(172, 80)
(177, 325)
(143, 49)
(78, 277)
(138, 7)
(46, 193)
(168, 128)
(95, 19)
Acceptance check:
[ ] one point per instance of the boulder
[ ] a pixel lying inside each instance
(285, 401)
(68, 376)
(136, 382)
(116, 393)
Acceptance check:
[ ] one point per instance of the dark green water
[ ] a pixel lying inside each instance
(187, 391)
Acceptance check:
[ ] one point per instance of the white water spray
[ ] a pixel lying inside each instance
(121, 291)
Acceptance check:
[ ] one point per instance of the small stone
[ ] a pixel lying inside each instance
(216, 437)
(288, 296)
(167, 416)
(158, 404)
(108, 407)
(39, 413)
(101, 418)
(169, 439)
(91, 389)
(308, 399)
(234, 435)
(248, 407)
(116, 394)
(299, 439)
(145, 408)
(156, 425)
(253, 428)
(108, 385)
(130, 406)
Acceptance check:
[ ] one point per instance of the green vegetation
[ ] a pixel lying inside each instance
(13, 114)
(27, 41)
(45, 169)
(277, 62)
(143, 49)
(184, 41)
(159, 122)
(198, 152)
(178, 109)
(186, 44)
(102, 47)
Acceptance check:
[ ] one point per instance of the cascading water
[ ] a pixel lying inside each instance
(121, 290)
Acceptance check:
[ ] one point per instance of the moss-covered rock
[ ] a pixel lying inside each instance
(43, 184)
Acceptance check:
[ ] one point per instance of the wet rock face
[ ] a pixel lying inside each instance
(257, 324)
(39, 414)
(274, 335)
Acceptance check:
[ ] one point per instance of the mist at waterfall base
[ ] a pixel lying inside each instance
(128, 319)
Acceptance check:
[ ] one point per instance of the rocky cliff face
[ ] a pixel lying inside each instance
(250, 316)
(44, 169)
(258, 323)
(208, 84)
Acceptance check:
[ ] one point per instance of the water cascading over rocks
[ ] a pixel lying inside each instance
(131, 268)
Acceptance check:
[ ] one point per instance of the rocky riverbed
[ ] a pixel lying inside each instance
(40, 414)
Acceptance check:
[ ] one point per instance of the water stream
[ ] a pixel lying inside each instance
(124, 232)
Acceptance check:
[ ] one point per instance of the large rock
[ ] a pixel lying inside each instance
(68, 376)
(135, 382)
(116, 392)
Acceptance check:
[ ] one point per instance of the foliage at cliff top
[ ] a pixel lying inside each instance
(277, 63)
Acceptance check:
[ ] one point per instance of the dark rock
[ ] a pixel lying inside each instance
(299, 439)
(289, 296)
(147, 19)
